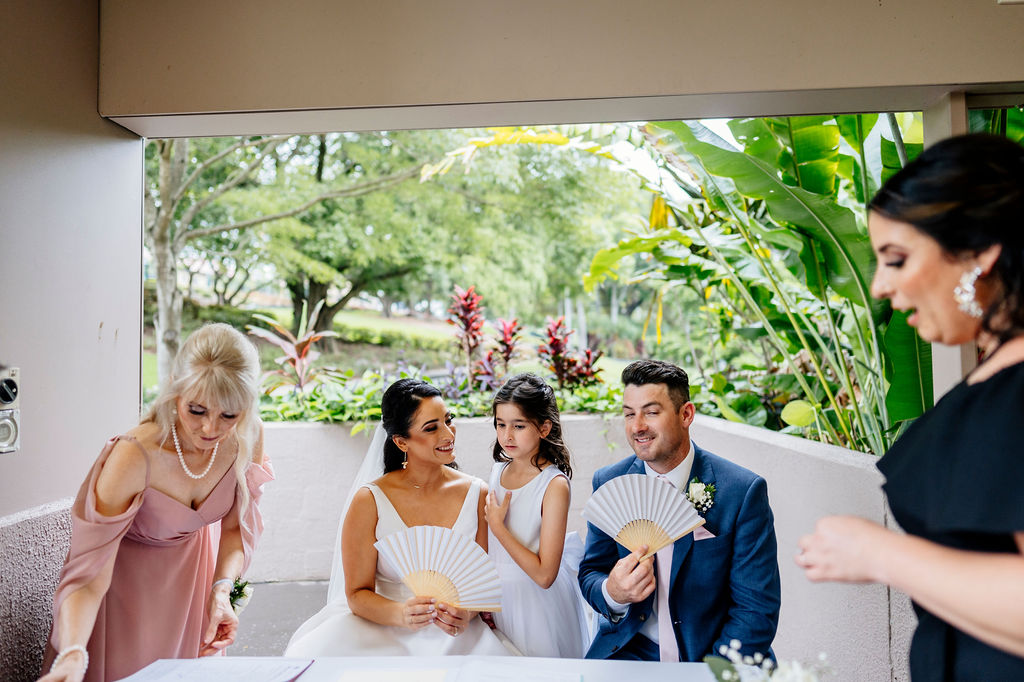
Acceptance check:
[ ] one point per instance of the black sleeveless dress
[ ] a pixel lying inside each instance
(956, 478)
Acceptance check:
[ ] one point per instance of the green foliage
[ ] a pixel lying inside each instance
(1003, 122)
(347, 397)
(349, 332)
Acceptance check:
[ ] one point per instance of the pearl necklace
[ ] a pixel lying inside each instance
(181, 457)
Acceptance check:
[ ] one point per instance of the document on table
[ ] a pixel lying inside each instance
(505, 669)
(223, 669)
(394, 675)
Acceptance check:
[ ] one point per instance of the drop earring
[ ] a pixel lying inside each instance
(965, 293)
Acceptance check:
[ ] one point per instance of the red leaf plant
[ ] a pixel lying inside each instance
(466, 314)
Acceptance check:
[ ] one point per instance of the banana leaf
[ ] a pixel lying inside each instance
(910, 371)
(845, 250)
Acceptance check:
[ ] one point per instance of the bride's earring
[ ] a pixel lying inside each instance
(405, 460)
(965, 293)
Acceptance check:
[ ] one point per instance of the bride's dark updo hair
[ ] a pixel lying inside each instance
(397, 407)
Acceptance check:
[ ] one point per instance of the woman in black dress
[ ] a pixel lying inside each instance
(948, 232)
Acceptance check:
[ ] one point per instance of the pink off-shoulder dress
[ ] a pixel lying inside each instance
(166, 557)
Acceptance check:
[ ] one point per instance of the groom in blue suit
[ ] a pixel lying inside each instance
(717, 584)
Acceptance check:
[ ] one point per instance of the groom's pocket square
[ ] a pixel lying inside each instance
(702, 533)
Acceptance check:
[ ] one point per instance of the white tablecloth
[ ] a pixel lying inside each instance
(430, 669)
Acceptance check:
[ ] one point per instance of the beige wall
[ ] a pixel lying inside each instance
(70, 245)
(681, 57)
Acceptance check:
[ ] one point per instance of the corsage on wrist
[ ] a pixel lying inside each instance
(241, 593)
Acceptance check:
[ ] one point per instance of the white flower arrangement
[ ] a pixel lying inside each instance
(732, 666)
(241, 593)
(701, 495)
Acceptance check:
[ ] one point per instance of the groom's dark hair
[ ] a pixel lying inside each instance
(657, 372)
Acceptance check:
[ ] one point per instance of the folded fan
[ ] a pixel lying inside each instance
(637, 509)
(448, 566)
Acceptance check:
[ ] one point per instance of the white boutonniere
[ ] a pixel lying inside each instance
(701, 495)
(241, 593)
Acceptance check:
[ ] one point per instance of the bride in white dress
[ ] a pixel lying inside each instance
(369, 611)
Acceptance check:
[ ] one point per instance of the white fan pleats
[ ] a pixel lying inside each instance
(438, 562)
(637, 509)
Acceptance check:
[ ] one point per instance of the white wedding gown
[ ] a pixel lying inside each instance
(336, 631)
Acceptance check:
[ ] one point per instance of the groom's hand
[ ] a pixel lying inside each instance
(631, 580)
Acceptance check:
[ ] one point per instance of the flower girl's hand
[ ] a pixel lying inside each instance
(452, 619)
(419, 612)
(495, 513)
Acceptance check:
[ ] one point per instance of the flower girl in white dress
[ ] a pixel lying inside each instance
(527, 509)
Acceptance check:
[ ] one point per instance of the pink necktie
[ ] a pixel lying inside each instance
(666, 633)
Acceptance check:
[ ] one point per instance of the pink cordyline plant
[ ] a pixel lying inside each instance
(298, 352)
(466, 314)
(508, 340)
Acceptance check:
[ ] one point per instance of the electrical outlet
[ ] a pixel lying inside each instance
(10, 412)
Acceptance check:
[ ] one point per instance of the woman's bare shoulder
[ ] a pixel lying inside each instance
(121, 477)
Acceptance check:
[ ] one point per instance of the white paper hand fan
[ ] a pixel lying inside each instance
(448, 566)
(637, 509)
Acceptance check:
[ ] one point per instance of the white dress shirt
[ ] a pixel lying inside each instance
(680, 478)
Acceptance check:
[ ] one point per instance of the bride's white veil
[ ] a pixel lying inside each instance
(371, 469)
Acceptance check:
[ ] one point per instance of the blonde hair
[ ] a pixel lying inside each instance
(217, 365)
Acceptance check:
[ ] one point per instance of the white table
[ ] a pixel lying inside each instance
(434, 669)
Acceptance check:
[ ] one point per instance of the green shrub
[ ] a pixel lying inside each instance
(349, 333)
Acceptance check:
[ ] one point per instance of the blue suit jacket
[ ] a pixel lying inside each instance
(722, 588)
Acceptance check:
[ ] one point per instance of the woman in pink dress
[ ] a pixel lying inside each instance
(165, 521)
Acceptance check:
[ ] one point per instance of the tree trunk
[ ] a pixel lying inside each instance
(582, 338)
(387, 303)
(297, 291)
(613, 306)
(168, 308)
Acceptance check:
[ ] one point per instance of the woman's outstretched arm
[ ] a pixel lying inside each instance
(979, 593)
(121, 478)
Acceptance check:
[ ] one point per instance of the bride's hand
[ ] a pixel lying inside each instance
(452, 619)
(419, 612)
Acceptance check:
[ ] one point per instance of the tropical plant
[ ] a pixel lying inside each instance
(554, 349)
(773, 236)
(466, 314)
(298, 352)
(570, 369)
(508, 340)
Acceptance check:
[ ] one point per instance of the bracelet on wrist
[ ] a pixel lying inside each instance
(223, 581)
(70, 650)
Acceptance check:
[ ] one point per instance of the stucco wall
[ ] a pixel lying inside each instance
(806, 480)
(34, 545)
